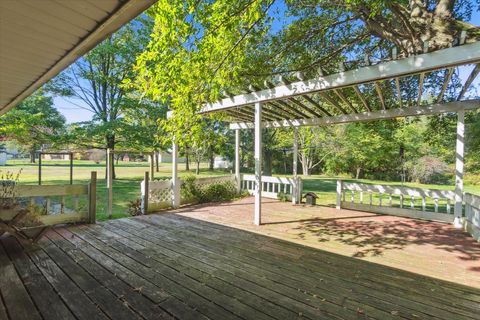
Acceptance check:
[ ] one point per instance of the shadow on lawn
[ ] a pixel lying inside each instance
(372, 238)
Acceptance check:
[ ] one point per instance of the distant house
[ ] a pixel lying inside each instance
(222, 163)
(3, 157)
(166, 157)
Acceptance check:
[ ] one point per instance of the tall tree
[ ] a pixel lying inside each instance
(97, 78)
(33, 123)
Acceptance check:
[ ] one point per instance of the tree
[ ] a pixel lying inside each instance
(33, 123)
(97, 78)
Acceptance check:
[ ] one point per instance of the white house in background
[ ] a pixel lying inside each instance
(222, 163)
(166, 157)
(3, 157)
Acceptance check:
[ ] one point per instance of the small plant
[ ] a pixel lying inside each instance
(8, 192)
(32, 217)
(284, 197)
(135, 207)
(212, 192)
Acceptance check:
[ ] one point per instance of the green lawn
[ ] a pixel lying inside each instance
(129, 174)
(125, 188)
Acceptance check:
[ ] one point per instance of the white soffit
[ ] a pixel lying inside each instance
(38, 39)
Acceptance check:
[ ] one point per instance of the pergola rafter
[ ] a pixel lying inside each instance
(375, 93)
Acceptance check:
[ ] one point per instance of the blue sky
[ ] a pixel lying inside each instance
(73, 111)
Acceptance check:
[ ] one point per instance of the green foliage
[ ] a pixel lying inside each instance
(284, 197)
(212, 192)
(33, 123)
(430, 170)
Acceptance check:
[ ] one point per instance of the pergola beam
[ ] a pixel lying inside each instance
(362, 98)
(454, 106)
(445, 84)
(469, 81)
(421, 80)
(380, 95)
(440, 59)
(399, 92)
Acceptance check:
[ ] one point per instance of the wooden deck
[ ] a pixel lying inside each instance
(169, 265)
(428, 248)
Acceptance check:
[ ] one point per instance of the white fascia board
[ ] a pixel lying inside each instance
(465, 54)
(367, 116)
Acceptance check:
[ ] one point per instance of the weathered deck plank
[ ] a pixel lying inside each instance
(169, 266)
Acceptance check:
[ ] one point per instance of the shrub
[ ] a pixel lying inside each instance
(135, 207)
(430, 170)
(191, 191)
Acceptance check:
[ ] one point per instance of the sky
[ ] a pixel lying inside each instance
(74, 110)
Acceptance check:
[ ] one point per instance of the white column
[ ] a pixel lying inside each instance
(109, 182)
(258, 164)
(459, 168)
(175, 180)
(237, 160)
(295, 199)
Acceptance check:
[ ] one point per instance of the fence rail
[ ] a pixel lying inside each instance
(401, 201)
(57, 204)
(472, 215)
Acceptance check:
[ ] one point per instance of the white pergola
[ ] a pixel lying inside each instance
(371, 92)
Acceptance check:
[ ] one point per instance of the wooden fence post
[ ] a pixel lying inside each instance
(71, 167)
(92, 198)
(146, 180)
(339, 194)
(39, 168)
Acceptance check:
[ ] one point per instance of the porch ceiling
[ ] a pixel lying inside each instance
(411, 86)
(38, 39)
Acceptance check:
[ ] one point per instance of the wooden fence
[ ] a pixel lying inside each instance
(273, 186)
(472, 215)
(429, 204)
(59, 204)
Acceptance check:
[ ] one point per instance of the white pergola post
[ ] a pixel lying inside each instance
(459, 161)
(295, 165)
(175, 180)
(258, 164)
(237, 160)
(109, 182)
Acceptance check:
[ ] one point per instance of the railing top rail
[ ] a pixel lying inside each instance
(24, 191)
(271, 179)
(472, 200)
(397, 190)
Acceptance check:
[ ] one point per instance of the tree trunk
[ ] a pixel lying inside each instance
(211, 161)
(197, 170)
(157, 166)
(267, 163)
(32, 156)
(358, 173)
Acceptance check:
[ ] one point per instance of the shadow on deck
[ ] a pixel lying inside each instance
(174, 266)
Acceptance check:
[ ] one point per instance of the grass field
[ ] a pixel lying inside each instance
(129, 174)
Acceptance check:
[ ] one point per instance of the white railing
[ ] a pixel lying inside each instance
(418, 203)
(472, 215)
(159, 195)
(273, 186)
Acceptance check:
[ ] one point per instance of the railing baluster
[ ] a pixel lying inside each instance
(361, 197)
(401, 201)
(48, 205)
(436, 204)
(424, 204)
(380, 199)
(448, 206)
(390, 199)
(62, 205)
(353, 196)
(412, 202)
(370, 194)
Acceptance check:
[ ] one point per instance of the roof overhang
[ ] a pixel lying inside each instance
(38, 39)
